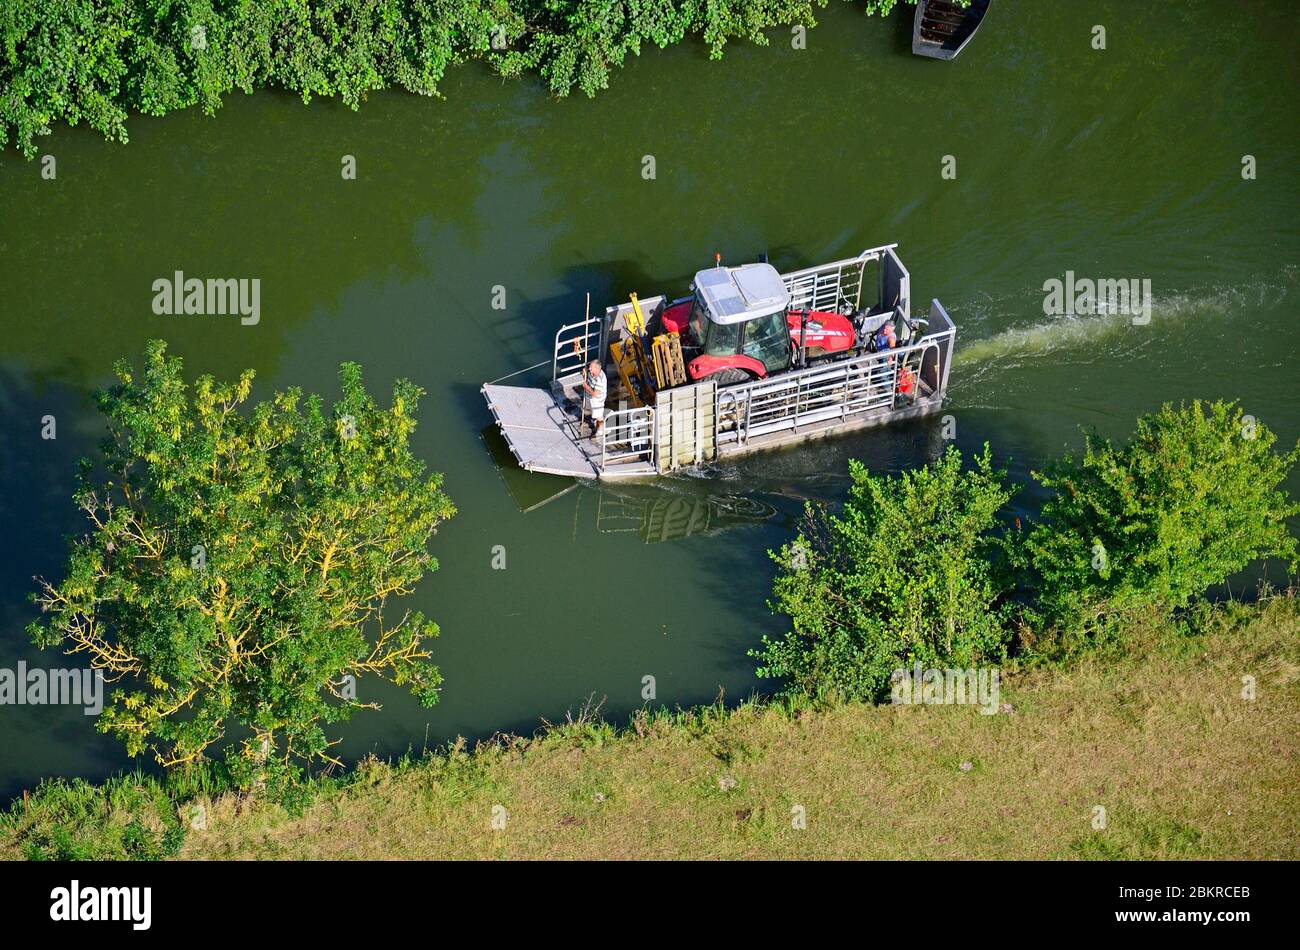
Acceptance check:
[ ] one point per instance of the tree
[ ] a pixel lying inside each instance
(240, 564)
(95, 61)
(909, 571)
(1193, 497)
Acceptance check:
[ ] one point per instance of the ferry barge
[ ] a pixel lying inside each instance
(752, 359)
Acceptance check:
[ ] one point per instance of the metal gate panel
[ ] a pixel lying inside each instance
(687, 430)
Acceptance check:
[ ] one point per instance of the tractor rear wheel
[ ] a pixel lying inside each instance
(728, 376)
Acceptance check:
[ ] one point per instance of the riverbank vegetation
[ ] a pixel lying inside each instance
(97, 61)
(1157, 732)
(918, 568)
(1119, 680)
(908, 572)
(1190, 499)
(233, 580)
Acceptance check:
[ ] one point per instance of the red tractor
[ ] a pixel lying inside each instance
(738, 327)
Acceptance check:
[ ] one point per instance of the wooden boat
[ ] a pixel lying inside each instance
(942, 28)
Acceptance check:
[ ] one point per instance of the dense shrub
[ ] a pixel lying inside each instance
(914, 568)
(1193, 497)
(93, 61)
(128, 818)
(908, 571)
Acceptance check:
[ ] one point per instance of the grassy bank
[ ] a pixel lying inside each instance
(1159, 736)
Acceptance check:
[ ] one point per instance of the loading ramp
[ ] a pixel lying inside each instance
(540, 433)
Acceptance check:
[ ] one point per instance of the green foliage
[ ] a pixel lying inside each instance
(96, 60)
(240, 562)
(908, 571)
(1191, 498)
(914, 570)
(129, 818)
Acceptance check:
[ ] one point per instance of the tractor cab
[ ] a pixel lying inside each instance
(734, 327)
(738, 326)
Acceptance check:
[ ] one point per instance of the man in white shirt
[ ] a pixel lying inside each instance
(594, 387)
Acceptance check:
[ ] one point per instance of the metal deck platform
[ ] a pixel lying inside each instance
(539, 432)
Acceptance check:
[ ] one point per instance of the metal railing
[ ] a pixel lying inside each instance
(826, 392)
(829, 287)
(587, 334)
(628, 436)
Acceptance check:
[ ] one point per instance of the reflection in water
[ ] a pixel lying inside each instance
(659, 514)
(666, 509)
(755, 489)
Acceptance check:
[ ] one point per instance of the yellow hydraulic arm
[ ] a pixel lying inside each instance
(636, 319)
(629, 357)
(643, 375)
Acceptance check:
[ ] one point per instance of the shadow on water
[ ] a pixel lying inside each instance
(37, 481)
(903, 19)
(609, 283)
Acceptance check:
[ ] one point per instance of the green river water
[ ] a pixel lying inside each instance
(1120, 163)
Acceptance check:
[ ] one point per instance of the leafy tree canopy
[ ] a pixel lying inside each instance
(241, 563)
(94, 61)
(908, 571)
(917, 568)
(1193, 497)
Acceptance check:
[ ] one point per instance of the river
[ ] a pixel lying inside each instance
(1117, 163)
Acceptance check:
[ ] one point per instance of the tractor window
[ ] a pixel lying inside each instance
(698, 326)
(723, 339)
(767, 340)
(713, 338)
